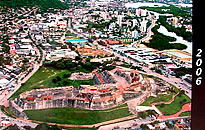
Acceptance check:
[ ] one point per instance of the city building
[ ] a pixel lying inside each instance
(135, 34)
(61, 53)
(119, 20)
(143, 26)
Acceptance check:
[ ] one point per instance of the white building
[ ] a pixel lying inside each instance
(59, 54)
(134, 22)
(141, 12)
(143, 26)
(119, 20)
(3, 83)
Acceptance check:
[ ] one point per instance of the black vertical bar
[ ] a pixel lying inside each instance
(198, 91)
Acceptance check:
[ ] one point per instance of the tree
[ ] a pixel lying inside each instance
(66, 75)
(27, 127)
(87, 66)
(54, 80)
(162, 105)
(54, 127)
(64, 47)
(60, 65)
(12, 127)
(77, 58)
(42, 126)
(142, 114)
(58, 78)
(65, 82)
(144, 126)
(5, 48)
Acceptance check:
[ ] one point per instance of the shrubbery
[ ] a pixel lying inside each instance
(161, 42)
(43, 4)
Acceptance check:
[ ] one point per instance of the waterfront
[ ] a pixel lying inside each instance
(137, 5)
(179, 39)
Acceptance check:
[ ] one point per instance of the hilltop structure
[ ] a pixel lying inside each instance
(111, 88)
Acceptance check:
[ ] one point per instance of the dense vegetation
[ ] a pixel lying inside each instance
(169, 9)
(182, 71)
(174, 107)
(179, 31)
(161, 42)
(74, 66)
(43, 4)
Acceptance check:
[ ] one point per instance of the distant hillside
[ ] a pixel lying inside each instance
(43, 4)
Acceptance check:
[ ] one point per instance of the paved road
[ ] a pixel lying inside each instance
(148, 35)
(172, 80)
(130, 123)
(6, 94)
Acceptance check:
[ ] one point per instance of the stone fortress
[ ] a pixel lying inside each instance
(112, 88)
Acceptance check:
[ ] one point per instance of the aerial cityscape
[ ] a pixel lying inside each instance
(95, 64)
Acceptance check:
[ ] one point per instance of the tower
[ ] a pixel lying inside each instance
(92, 3)
(143, 26)
(134, 22)
(119, 20)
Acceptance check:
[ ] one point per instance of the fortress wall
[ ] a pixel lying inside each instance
(17, 110)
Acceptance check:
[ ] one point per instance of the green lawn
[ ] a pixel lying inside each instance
(186, 113)
(175, 106)
(159, 98)
(76, 116)
(43, 79)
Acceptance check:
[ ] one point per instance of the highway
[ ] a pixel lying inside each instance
(172, 80)
(148, 35)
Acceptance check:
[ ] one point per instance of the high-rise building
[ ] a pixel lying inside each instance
(138, 12)
(119, 20)
(143, 12)
(143, 26)
(92, 2)
(134, 22)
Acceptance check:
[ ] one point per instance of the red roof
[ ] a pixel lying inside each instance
(104, 90)
(12, 52)
(47, 97)
(30, 98)
(99, 77)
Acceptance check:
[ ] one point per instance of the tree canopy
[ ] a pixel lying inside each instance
(43, 4)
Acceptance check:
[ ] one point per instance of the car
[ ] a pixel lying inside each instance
(116, 127)
(134, 124)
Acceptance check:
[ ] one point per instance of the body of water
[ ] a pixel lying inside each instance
(179, 39)
(77, 40)
(137, 5)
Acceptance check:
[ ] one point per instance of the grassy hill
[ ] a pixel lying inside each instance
(43, 4)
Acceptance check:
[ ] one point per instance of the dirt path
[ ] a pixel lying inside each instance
(169, 102)
(186, 107)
